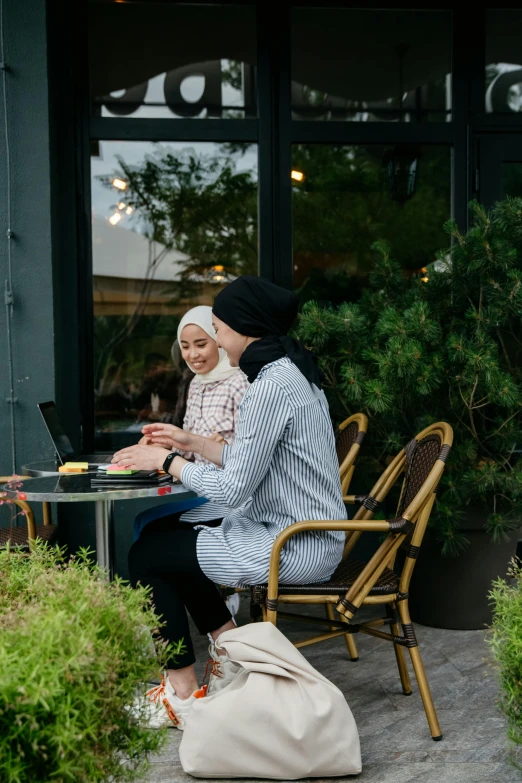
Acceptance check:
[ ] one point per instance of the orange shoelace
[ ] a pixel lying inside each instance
(157, 694)
(213, 669)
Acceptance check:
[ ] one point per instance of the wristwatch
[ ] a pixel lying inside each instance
(168, 461)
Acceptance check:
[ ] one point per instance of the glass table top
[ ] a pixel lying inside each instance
(71, 488)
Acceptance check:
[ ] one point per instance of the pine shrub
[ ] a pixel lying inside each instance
(411, 352)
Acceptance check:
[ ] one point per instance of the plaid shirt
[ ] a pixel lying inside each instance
(213, 408)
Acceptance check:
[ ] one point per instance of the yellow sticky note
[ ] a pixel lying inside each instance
(77, 465)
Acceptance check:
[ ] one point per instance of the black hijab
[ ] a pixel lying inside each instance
(257, 308)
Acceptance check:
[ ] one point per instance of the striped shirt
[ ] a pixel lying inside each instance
(281, 469)
(212, 408)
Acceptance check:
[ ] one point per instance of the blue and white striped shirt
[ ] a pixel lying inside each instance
(281, 469)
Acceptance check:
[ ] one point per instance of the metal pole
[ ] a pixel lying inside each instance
(104, 535)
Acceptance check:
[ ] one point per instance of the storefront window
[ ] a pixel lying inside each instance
(172, 60)
(345, 198)
(371, 65)
(171, 224)
(504, 62)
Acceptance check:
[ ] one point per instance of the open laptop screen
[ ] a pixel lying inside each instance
(55, 429)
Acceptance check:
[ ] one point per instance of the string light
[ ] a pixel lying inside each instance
(115, 218)
(296, 175)
(128, 211)
(122, 205)
(120, 184)
(218, 275)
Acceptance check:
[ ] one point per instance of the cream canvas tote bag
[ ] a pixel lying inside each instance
(279, 719)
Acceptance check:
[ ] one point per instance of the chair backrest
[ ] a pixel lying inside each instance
(422, 462)
(348, 441)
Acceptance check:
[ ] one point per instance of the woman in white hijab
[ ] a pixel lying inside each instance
(217, 388)
(212, 402)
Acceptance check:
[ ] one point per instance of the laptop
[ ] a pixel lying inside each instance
(62, 444)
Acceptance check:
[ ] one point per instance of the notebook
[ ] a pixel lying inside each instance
(140, 478)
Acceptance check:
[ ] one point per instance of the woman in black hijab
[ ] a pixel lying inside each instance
(254, 307)
(281, 469)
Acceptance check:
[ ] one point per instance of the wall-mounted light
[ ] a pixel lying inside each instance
(296, 175)
(120, 184)
(115, 218)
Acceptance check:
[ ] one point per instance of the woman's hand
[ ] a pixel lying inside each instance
(218, 437)
(141, 457)
(175, 439)
(170, 437)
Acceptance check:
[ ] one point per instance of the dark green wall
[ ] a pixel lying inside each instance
(32, 324)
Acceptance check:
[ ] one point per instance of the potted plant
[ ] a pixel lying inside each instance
(444, 346)
(506, 644)
(74, 651)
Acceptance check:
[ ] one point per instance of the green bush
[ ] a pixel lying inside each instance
(506, 643)
(74, 650)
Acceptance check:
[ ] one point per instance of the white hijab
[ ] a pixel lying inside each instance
(202, 316)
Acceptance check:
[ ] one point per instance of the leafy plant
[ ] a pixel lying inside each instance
(411, 352)
(506, 643)
(74, 651)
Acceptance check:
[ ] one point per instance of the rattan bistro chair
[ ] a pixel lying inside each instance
(347, 444)
(348, 439)
(25, 535)
(355, 584)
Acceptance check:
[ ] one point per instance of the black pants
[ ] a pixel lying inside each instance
(164, 558)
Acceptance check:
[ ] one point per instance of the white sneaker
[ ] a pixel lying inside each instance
(164, 708)
(222, 670)
(232, 603)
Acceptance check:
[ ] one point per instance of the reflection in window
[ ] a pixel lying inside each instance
(169, 59)
(371, 65)
(171, 224)
(349, 197)
(503, 62)
(511, 175)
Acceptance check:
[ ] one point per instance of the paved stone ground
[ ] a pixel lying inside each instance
(395, 739)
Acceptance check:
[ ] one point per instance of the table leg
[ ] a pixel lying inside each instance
(105, 535)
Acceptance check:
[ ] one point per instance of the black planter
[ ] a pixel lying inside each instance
(452, 592)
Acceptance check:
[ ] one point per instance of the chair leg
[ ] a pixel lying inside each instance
(350, 642)
(330, 614)
(399, 651)
(46, 510)
(420, 674)
(255, 612)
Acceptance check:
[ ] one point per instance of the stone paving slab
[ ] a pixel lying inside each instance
(395, 739)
